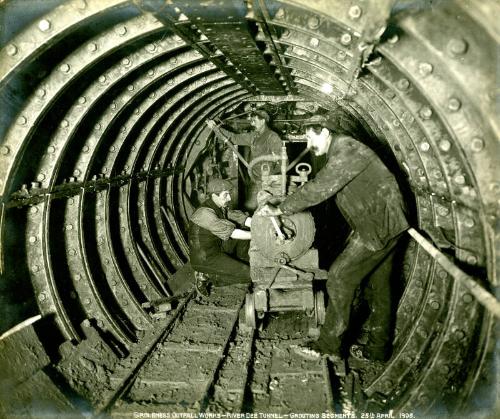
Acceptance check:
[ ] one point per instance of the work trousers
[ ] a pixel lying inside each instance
(345, 277)
(228, 267)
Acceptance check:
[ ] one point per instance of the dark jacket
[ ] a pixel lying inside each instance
(366, 192)
(203, 243)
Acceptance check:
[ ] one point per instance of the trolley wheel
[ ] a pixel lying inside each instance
(319, 308)
(250, 311)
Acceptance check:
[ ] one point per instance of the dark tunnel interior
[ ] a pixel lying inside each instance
(105, 154)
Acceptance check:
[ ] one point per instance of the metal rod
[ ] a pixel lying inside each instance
(232, 147)
(284, 162)
(299, 157)
(277, 228)
(483, 296)
(153, 270)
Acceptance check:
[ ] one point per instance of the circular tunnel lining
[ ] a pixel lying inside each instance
(106, 111)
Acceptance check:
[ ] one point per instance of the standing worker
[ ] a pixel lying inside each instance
(262, 141)
(369, 198)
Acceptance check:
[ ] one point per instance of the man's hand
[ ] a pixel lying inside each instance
(211, 124)
(269, 211)
(248, 222)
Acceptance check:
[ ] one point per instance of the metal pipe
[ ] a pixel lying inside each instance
(284, 163)
(482, 295)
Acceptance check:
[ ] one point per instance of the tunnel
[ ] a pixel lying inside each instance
(104, 148)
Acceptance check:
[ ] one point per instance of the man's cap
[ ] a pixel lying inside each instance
(319, 120)
(261, 114)
(216, 186)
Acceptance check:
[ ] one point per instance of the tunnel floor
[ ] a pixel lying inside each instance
(202, 358)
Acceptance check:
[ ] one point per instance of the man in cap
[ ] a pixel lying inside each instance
(218, 249)
(369, 198)
(262, 141)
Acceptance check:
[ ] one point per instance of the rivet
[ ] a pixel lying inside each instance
(437, 174)
(104, 169)
(102, 78)
(11, 50)
(420, 172)
(454, 104)
(35, 268)
(92, 47)
(32, 239)
(125, 61)
(40, 177)
(457, 46)
(87, 301)
(403, 84)
(425, 112)
(82, 100)
(97, 127)
(112, 148)
(472, 260)
(151, 72)
(355, 12)
(467, 298)
(121, 30)
(419, 283)
(314, 42)
(396, 123)
(425, 146)
(152, 95)
(40, 93)
(151, 47)
(33, 210)
(69, 227)
(422, 332)
(346, 39)
(130, 87)
(72, 252)
(42, 296)
(445, 145)
(4, 150)
(78, 277)
(85, 148)
(435, 305)
(44, 25)
(77, 172)
(113, 105)
(133, 148)
(425, 69)
(459, 179)
(393, 39)
(64, 68)
(477, 144)
(443, 211)
(22, 120)
(469, 222)
(460, 334)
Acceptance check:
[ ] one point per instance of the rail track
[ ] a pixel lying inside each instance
(202, 359)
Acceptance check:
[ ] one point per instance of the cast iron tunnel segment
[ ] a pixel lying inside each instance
(423, 91)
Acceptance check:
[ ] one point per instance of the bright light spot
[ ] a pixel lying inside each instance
(326, 88)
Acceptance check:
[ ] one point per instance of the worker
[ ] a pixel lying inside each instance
(369, 198)
(218, 248)
(262, 141)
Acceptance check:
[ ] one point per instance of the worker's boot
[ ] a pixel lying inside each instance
(201, 284)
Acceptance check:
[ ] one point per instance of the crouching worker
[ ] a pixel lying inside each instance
(218, 249)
